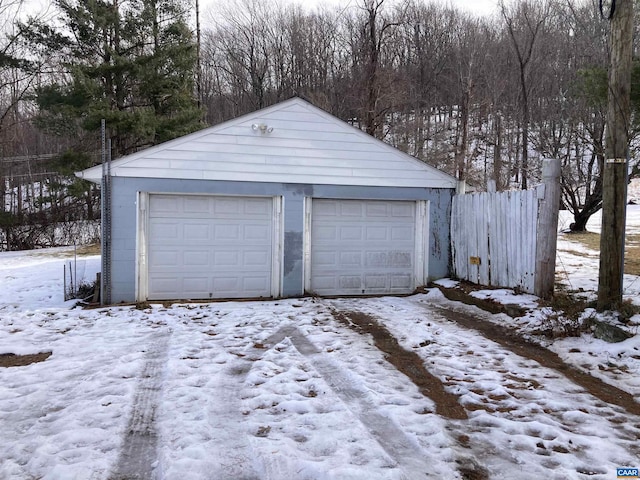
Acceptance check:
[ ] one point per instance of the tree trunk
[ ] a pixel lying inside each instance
(497, 153)
(580, 221)
(2, 192)
(464, 140)
(524, 165)
(371, 106)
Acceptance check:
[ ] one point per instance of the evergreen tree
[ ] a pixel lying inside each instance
(131, 62)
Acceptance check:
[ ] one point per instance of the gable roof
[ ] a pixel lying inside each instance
(290, 142)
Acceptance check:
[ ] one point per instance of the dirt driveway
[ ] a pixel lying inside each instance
(398, 388)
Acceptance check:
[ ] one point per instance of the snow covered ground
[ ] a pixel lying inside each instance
(577, 271)
(577, 266)
(283, 390)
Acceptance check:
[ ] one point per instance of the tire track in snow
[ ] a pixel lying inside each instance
(514, 400)
(237, 460)
(405, 361)
(138, 457)
(411, 365)
(532, 351)
(411, 460)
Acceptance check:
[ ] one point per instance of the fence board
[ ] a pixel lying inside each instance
(483, 242)
(532, 220)
(476, 227)
(520, 274)
(498, 265)
(500, 229)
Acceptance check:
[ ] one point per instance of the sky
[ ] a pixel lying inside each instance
(480, 7)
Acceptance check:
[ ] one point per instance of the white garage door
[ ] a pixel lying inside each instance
(363, 247)
(203, 247)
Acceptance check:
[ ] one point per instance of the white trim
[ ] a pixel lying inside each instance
(306, 245)
(142, 247)
(421, 267)
(277, 254)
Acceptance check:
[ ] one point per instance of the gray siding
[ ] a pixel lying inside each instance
(307, 145)
(124, 230)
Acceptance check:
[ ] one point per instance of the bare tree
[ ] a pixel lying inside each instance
(469, 51)
(525, 22)
(374, 30)
(584, 47)
(481, 98)
(427, 39)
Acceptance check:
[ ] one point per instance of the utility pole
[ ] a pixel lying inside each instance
(198, 57)
(614, 194)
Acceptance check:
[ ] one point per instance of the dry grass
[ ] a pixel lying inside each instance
(82, 251)
(632, 255)
(582, 253)
(588, 239)
(13, 360)
(93, 249)
(592, 241)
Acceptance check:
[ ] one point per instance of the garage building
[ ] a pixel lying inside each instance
(282, 202)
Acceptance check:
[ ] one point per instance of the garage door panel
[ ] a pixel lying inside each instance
(209, 247)
(326, 233)
(350, 209)
(377, 233)
(400, 258)
(373, 282)
(389, 259)
(255, 284)
(377, 209)
(376, 259)
(195, 234)
(227, 206)
(325, 282)
(163, 230)
(257, 233)
(164, 258)
(195, 205)
(257, 207)
(196, 284)
(400, 282)
(256, 259)
(351, 233)
(326, 208)
(164, 284)
(328, 259)
(401, 234)
(350, 259)
(226, 258)
(226, 285)
(195, 258)
(373, 251)
(350, 282)
(167, 205)
(226, 231)
(405, 210)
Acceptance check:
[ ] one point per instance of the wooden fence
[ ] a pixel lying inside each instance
(508, 239)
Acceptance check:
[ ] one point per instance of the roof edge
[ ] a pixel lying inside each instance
(94, 174)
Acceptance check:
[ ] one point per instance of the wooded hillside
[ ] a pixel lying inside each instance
(482, 98)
